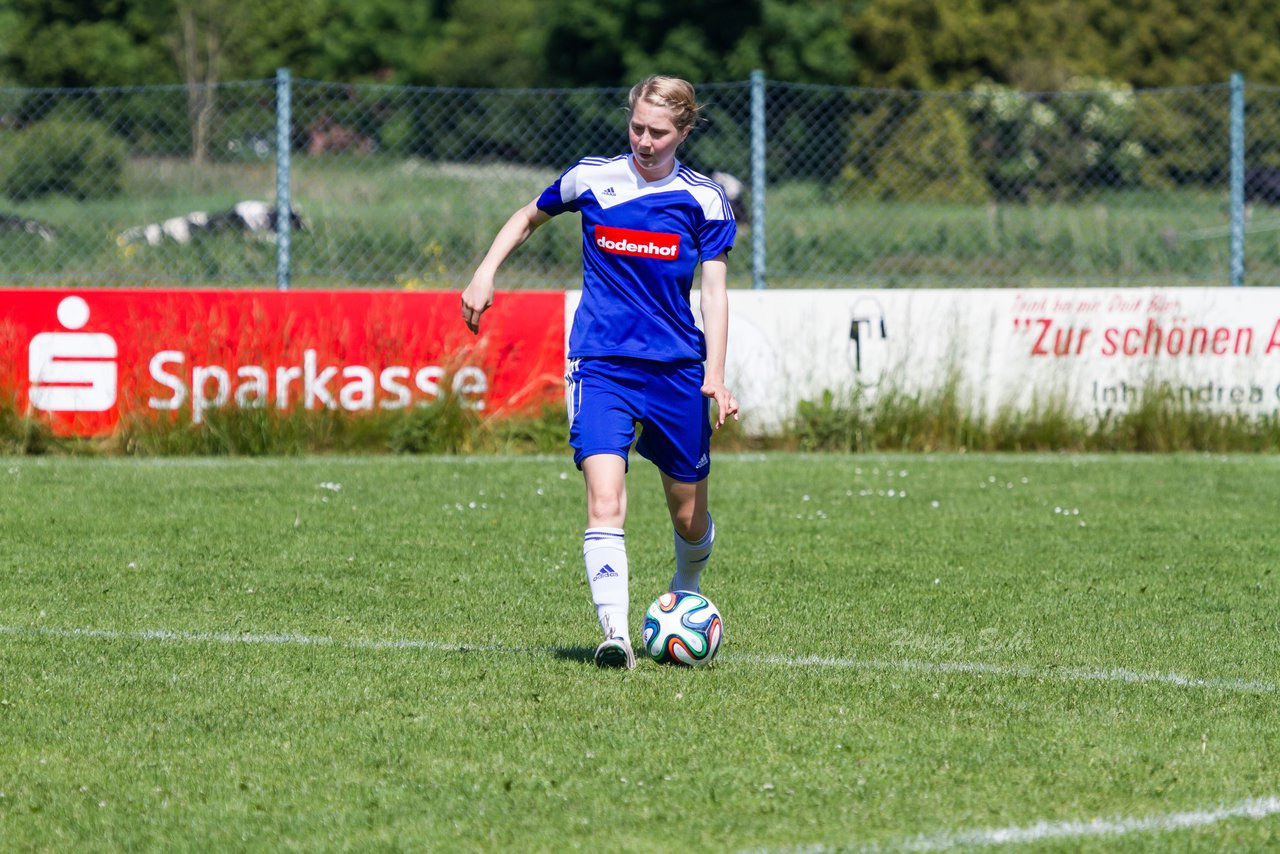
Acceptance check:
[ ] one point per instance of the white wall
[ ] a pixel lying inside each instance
(1092, 349)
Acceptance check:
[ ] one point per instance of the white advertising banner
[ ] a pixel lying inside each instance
(1090, 351)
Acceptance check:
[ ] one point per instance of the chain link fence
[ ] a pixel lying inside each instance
(404, 187)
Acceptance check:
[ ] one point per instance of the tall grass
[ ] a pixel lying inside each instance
(20, 434)
(893, 420)
(943, 420)
(445, 427)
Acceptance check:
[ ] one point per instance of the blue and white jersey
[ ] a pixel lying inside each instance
(641, 243)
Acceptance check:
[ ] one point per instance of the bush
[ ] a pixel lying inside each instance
(72, 157)
(446, 427)
(20, 434)
(1059, 147)
(914, 151)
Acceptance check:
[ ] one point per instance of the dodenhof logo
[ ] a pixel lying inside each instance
(638, 244)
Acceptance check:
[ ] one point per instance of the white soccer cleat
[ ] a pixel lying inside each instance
(615, 651)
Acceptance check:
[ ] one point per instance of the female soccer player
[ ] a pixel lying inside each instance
(635, 353)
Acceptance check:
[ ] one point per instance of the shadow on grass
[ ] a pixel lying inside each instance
(580, 654)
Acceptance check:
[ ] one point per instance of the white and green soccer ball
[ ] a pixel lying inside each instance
(682, 628)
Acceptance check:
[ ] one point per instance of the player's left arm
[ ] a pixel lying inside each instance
(714, 302)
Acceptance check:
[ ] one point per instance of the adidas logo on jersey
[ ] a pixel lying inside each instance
(703, 461)
(609, 192)
(606, 571)
(639, 244)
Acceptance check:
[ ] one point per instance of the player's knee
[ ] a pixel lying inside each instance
(690, 525)
(606, 508)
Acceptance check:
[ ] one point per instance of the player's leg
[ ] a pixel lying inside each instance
(677, 438)
(601, 430)
(694, 531)
(604, 551)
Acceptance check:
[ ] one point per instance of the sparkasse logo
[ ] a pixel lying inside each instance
(639, 244)
(86, 363)
(72, 371)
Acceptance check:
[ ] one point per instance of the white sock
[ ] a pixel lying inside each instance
(604, 550)
(691, 558)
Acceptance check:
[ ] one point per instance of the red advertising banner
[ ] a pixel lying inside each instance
(84, 359)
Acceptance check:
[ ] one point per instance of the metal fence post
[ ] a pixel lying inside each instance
(757, 180)
(1237, 179)
(284, 122)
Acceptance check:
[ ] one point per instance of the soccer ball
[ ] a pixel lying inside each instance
(682, 628)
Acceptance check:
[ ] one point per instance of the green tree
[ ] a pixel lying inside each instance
(205, 35)
(1034, 45)
(10, 23)
(68, 43)
(480, 48)
(1042, 44)
(615, 42)
(930, 44)
(806, 42)
(352, 40)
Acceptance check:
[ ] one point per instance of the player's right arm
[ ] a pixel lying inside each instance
(478, 296)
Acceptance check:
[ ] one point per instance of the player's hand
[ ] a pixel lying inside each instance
(476, 300)
(726, 403)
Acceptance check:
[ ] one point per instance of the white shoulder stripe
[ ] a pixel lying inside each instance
(697, 182)
(697, 178)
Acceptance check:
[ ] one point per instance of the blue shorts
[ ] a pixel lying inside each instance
(607, 397)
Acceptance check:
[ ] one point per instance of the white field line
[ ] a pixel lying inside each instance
(1059, 831)
(942, 668)
(282, 639)
(1065, 674)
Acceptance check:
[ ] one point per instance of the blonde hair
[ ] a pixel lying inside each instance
(670, 92)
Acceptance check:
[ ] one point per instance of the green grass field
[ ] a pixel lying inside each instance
(923, 653)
